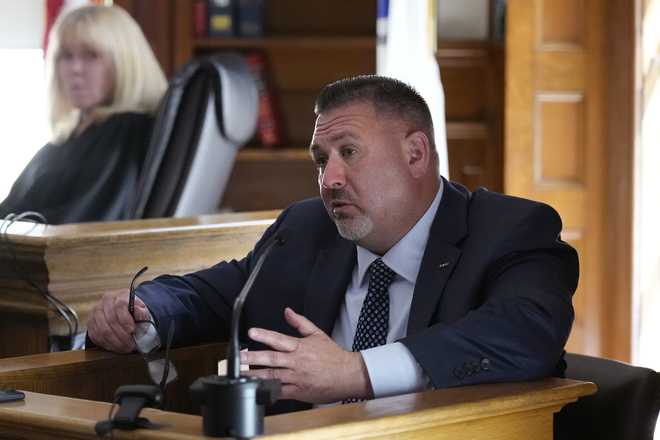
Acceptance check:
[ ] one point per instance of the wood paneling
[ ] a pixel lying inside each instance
(561, 70)
(571, 73)
(558, 139)
(469, 163)
(95, 375)
(22, 333)
(325, 17)
(555, 126)
(256, 171)
(561, 22)
(156, 21)
(473, 80)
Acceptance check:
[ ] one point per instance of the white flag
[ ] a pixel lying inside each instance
(410, 57)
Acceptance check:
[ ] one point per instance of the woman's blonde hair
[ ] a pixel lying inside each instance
(138, 83)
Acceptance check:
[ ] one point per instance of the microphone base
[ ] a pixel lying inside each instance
(233, 407)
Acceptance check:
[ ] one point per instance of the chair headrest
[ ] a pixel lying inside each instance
(234, 88)
(212, 100)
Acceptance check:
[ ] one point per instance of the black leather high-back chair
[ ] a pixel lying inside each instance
(209, 111)
(624, 408)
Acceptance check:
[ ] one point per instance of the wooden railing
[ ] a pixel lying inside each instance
(78, 263)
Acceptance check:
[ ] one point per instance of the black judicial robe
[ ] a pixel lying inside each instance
(89, 177)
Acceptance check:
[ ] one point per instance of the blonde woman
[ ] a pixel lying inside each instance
(104, 86)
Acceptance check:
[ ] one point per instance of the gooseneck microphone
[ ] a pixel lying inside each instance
(233, 405)
(233, 349)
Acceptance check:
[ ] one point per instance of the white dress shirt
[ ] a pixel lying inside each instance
(392, 368)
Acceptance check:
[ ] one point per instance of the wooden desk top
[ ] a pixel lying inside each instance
(495, 411)
(35, 234)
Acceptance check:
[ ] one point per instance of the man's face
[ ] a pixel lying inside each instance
(364, 180)
(86, 76)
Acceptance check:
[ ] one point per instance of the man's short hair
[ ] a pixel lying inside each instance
(388, 96)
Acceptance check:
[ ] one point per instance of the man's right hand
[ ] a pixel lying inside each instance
(111, 326)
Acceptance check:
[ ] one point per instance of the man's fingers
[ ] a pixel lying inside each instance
(140, 310)
(103, 335)
(275, 340)
(111, 325)
(290, 391)
(120, 306)
(304, 326)
(284, 375)
(114, 317)
(266, 359)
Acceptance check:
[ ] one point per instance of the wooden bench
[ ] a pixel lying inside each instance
(78, 263)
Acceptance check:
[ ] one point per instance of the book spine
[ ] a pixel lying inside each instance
(270, 129)
(382, 9)
(221, 18)
(251, 18)
(200, 18)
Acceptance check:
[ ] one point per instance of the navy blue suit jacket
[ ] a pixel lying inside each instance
(492, 301)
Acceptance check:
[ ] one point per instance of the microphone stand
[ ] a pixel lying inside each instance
(233, 405)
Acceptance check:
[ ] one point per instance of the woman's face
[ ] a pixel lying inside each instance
(86, 76)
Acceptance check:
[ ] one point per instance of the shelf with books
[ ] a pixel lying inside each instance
(307, 44)
(295, 71)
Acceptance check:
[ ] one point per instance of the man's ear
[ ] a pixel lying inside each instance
(418, 153)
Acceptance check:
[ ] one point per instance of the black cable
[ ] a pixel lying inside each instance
(110, 417)
(166, 369)
(63, 310)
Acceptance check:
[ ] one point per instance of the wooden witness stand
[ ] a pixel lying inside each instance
(495, 411)
(78, 263)
(68, 392)
(499, 411)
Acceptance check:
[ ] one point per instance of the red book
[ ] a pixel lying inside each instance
(270, 126)
(200, 12)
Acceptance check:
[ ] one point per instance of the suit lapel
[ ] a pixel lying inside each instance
(440, 257)
(328, 281)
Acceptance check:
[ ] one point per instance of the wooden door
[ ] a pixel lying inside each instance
(554, 143)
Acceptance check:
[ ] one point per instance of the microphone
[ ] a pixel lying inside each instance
(233, 405)
(233, 349)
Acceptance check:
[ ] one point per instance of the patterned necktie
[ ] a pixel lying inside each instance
(375, 314)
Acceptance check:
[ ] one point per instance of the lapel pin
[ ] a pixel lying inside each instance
(443, 265)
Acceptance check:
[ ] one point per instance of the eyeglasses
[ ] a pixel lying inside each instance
(161, 369)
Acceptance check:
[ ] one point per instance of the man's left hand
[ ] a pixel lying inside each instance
(312, 368)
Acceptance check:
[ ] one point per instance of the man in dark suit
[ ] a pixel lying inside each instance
(394, 281)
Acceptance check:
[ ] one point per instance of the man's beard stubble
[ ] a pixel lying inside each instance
(352, 228)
